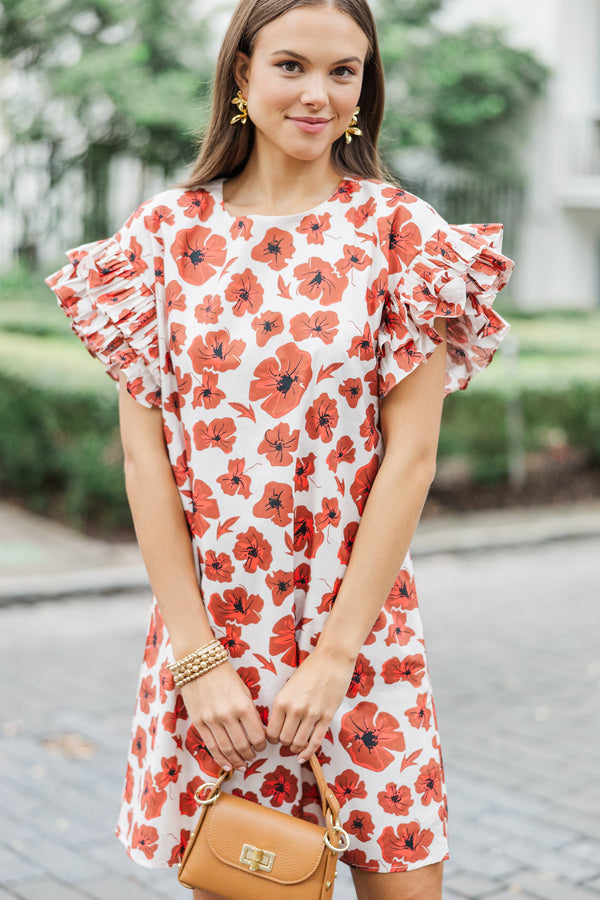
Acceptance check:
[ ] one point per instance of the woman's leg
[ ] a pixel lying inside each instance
(418, 884)
(206, 895)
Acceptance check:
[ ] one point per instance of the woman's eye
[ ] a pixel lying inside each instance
(287, 63)
(343, 70)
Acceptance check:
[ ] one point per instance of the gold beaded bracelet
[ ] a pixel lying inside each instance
(198, 663)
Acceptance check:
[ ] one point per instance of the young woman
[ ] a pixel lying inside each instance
(285, 327)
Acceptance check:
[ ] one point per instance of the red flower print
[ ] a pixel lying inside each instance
(404, 593)
(399, 632)
(275, 249)
(145, 838)
(329, 515)
(304, 532)
(219, 352)
(245, 293)
(152, 730)
(395, 196)
(170, 719)
(378, 293)
(369, 430)
(302, 577)
(251, 679)
(281, 585)
(368, 736)
(218, 433)
(235, 606)
(410, 668)
(354, 258)
(147, 694)
(280, 785)
(352, 390)
(359, 215)
(278, 443)
(128, 790)
(267, 326)
(348, 787)
(209, 310)
(276, 503)
(360, 824)
(419, 716)
(304, 468)
(170, 772)
(233, 642)
(187, 799)
(363, 482)
(344, 452)
(362, 679)
(179, 849)
(197, 748)
(197, 251)
(235, 481)
(328, 599)
(399, 239)
(203, 507)
(358, 859)
(407, 843)
(319, 281)
(380, 622)
(252, 548)
(134, 255)
(395, 799)
(346, 191)
(159, 270)
(138, 745)
(314, 227)
(154, 639)
(282, 381)
(197, 204)
(247, 795)
(322, 324)
(208, 394)
(166, 682)
(438, 246)
(283, 642)
(218, 568)
(348, 542)
(362, 346)
(242, 227)
(322, 418)
(158, 215)
(429, 783)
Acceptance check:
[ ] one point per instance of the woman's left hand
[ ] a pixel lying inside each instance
(306, 704)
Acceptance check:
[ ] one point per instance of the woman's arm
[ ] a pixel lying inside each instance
(410, 423)
(219, 703)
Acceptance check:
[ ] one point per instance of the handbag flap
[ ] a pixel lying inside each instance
(242, 834)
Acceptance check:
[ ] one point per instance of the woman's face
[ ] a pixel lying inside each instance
(307, 64)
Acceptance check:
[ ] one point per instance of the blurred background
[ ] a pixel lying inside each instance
(493, 114)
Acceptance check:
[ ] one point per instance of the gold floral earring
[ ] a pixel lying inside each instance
(352, 129)
(242, 105)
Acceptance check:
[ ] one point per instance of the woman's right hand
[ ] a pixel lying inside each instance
(221, 708)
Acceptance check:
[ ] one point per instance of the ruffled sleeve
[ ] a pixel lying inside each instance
(107, 291)
(457, 274)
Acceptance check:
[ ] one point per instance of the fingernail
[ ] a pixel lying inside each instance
(226, 767)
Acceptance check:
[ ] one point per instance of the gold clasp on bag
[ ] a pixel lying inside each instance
(257, 859)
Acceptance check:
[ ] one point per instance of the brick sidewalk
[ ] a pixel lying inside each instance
(513, 649)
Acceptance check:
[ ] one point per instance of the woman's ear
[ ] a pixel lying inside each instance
(242, 64)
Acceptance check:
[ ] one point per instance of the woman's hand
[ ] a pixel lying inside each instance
(222, 710)
(306, 704)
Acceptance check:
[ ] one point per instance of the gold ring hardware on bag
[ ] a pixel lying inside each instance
(339, 830)
(257, 859)
(209, 784)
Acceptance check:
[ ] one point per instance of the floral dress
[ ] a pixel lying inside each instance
(269, 343)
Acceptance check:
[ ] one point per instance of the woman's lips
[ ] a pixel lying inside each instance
(310, 127)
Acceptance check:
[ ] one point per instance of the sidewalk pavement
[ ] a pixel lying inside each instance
(511, 613)
(42, 560)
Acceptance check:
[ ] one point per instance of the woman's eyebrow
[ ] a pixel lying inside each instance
(305, 59)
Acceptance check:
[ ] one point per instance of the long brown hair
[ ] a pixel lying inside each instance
(225, 148)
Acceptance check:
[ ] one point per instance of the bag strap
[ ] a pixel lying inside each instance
(328, 798)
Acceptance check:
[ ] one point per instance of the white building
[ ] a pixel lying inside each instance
(558, 258)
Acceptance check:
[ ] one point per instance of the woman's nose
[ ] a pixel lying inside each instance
(314, 92)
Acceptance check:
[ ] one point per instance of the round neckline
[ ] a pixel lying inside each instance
(218, 188)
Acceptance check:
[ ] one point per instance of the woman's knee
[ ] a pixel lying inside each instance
(424, 883)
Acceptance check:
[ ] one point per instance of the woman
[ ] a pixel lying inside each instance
(285, 327)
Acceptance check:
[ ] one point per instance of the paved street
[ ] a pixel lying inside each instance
(515, 661)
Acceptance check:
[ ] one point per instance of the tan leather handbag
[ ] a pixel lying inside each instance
(245, 851)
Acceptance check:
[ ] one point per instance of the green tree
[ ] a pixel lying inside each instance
(101, 77)
(464, 95)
